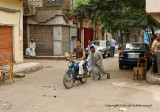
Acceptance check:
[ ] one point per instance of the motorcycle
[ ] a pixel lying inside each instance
(72, 74)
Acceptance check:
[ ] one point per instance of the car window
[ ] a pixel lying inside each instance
(108, 43)
(102, 43)
(135, 47)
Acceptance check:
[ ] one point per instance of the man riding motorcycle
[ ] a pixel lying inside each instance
(80, 54)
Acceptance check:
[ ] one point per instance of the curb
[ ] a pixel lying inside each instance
(29, 69)
(48, 57)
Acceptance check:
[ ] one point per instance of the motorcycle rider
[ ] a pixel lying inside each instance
(80, 54)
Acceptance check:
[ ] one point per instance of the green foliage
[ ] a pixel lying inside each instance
(115, 14)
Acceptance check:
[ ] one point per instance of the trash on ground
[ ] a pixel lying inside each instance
(4, 104)
(39, 104)
(123, 109)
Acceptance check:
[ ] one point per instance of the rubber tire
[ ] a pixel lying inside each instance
(120, 66)
(109, 55)
(104, 55)
(67, 87)
(85, 75)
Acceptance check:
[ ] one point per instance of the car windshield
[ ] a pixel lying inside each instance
(135, 47)
(101, 44)
(97, 43)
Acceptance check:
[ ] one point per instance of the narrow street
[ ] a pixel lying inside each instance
(43, 91)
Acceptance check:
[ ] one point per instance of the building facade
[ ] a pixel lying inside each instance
(48, 23)
(134, 35)
(11, 31)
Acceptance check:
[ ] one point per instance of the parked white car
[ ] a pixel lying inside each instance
(104, 47)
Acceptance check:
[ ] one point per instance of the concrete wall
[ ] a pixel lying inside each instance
(15, 19)
(152, 6)
(153, 9)
(61, 34)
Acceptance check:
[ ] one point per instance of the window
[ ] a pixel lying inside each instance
(52, 2)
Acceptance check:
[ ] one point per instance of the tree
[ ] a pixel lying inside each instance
(115, 14)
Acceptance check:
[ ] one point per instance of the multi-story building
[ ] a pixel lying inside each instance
(11, 31)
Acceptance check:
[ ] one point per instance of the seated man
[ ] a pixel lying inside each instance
(31, 50)
(97, 66)
(80, 54)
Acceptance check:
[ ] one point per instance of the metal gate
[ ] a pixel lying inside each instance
(6, 47)
(43, 36)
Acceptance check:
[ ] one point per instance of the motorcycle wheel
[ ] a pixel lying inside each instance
(84, 80)
(68, 81)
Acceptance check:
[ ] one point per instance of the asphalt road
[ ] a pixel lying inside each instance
(43, 91)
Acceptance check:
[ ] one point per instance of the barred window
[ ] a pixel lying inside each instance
(52, 2)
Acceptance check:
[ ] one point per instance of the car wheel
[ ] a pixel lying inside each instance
(109, 55)
(104, 55)
(120, 66)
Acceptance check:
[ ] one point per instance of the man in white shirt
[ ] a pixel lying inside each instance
(113, 44)
(89, 50)
(31, 50)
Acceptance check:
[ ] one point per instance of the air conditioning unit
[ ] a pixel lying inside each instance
(29, 11)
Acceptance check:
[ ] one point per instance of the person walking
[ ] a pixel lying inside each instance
(113, 44)
(90, 61)
(155, 44)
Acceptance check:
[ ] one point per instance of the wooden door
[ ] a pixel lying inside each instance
(88, 34)
(43, 37)
(6, 47)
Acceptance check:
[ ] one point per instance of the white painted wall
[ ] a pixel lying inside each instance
(14, 19)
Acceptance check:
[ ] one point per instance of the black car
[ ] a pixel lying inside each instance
(130, 52)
